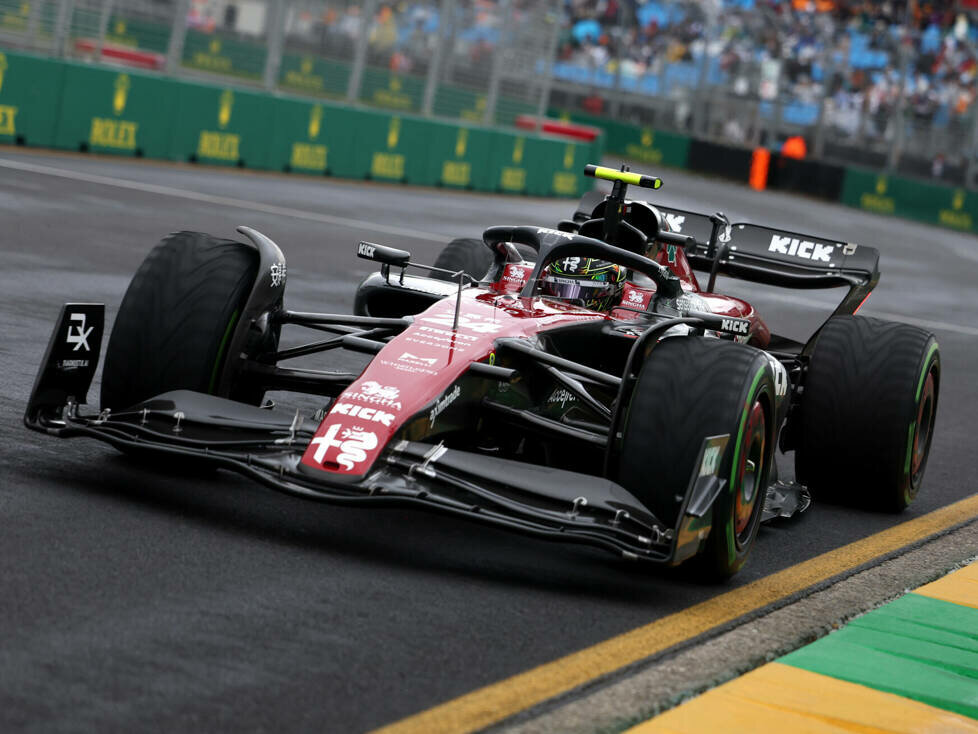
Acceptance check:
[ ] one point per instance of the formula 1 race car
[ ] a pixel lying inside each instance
(575, 384)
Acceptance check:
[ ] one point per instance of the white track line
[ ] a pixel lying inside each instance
(373, 226)
(253, 206)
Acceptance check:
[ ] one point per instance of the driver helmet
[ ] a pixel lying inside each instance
(596, 284)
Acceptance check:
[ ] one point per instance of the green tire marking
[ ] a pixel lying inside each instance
(906, 464)
(731, 537)
(220, 351)
(923, 373)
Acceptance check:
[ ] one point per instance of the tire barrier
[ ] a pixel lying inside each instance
(87, 107)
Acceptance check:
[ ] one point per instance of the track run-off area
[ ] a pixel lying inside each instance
(145, 598)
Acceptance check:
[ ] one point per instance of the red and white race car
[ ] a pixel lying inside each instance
(576, 384)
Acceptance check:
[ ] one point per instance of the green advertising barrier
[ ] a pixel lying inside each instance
(556, 167)
(925, 202)
(310, 137)
(221, 55)
(30, 97)
(382, 88)
(314, 75)
(393, 148)
(459, 155)
(509, 165)
(139, 34)
(221, 125)
(116, 112)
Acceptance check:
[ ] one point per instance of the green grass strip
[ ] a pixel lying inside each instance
(916, 647)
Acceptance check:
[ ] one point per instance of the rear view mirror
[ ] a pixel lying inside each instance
(384, 255)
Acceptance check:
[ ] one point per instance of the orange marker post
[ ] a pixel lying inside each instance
(759, 164)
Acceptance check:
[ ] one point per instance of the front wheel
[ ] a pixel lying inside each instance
(177, 320)
(689, 389)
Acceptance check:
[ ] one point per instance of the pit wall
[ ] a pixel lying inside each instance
(863, 189)
(84, 107)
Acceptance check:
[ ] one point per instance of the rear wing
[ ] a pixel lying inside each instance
(777, 257)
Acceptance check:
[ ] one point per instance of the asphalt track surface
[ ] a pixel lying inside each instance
(138, 600)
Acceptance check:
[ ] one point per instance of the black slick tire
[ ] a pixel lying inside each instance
(177, 318)
(688, 389)
(472, 256)
(868, 412)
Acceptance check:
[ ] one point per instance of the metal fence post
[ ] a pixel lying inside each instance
(548, 72)
(33, 21)
(276, 34)
(818, 142)
(360, 54)
(446, 22)
(972, 171)
(62, 27)
(492, 93)
(178, 32)
(103, 27)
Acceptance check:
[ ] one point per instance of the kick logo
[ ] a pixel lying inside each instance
(364, 413)
(735, 326)
(80, 335)
(806, 249)
(353, 444)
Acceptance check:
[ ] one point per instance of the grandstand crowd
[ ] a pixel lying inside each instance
(868, 59)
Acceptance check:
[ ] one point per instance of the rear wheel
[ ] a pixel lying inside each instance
(868, 412)
(177, 319)
(689, 389)
(472, 256)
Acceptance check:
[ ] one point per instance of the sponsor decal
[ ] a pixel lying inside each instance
(415, 359)
(72, 364)
(387, 165)
(735, 326)
(554, 233)
(366, 250)
(107, 133)
(364, 413)
(308, 156)
(850, 248)
(381, 391)
(562, 396)
(77, 333)
(514, 274)
(780, 376)
(711, 461)
(671, 254)
(433, 332)
(373, 393)
(442, 403)
(512, 179)
(805, 249)
(278, 272)
(472, 323)
(635, 297)
(8, 115)
(352, 444)
(456, 173)
(304, 78)
(222, 146)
